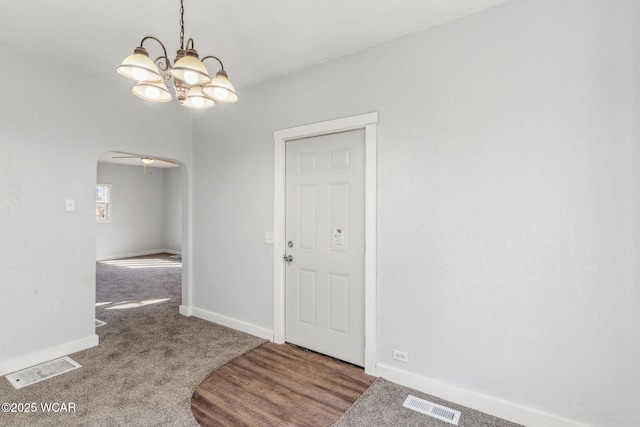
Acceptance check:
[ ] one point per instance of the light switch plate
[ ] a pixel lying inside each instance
(71, 205)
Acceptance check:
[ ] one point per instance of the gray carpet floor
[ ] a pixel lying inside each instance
(151, 359)
(381, 405)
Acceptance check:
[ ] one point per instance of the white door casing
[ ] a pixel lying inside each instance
(324, 286)
(368, 122)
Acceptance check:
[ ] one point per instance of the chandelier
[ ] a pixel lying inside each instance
(193, 86)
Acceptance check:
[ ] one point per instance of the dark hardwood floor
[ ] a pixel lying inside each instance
(278, 385)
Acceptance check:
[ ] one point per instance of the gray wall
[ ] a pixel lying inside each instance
(51, 137)
(173, 206)
(509, 216)
(146, 211)
(508, 207)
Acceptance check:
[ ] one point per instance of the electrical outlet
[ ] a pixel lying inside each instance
(268, 237)
(401, 356)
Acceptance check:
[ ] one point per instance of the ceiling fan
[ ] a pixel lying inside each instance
(146, 160)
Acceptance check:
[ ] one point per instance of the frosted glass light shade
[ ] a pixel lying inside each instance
(154, 92)
(140, 67)
(197, 100)
(220, 89)
(190, 70)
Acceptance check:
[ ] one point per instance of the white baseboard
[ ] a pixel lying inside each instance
(491, 405)
(47, 354)
(232, 323)
(186, 311)
(138, 253)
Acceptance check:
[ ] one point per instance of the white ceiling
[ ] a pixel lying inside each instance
(256, 39)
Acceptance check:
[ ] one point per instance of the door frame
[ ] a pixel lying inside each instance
(368, 122)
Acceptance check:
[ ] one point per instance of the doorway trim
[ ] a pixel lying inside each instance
(368, 122)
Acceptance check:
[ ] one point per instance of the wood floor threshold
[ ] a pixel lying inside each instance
(278, 385)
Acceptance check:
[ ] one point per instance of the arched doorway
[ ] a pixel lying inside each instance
(148, 213)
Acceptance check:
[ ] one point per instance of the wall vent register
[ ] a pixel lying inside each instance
(431, 409)
(42, 372)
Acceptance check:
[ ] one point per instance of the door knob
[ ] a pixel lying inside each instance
(288, 258)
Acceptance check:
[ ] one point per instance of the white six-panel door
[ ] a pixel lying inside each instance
(325, 238)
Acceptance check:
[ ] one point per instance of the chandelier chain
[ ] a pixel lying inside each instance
(181, 24)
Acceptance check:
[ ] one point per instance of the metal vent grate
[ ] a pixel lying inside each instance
(432, 409)
(42, 372)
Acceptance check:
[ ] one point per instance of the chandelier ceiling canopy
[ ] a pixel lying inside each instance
(192, 85)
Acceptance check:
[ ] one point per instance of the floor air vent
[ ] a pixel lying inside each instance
(42, 372)
(432, 409)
